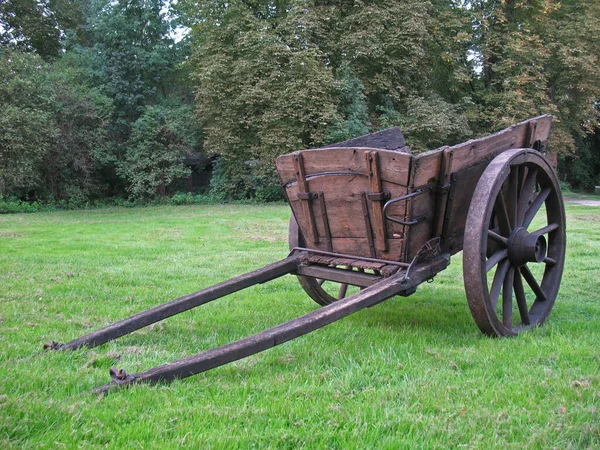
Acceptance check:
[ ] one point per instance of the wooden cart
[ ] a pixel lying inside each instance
(371, 221)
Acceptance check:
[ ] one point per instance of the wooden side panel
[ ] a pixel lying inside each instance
(426, 168)
(395, 166)
(343, 177)
(347, 227)
(455, 172)
(522, 135)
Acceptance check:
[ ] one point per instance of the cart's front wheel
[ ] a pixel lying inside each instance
(514, 243)
(321, 291)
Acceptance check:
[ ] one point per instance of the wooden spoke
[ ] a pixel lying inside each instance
(521, 300)
(502, 215)
(547, 229)
(495, 259)
(343, 290)
(507, 290)
(515, 188)
(533, 284)
(320, 281)
(497, 283)
(549, 261)
(512, 196)
(526, 194)
(497, 238)
(535, 206)
(523, 172)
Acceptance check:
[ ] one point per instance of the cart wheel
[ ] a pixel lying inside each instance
(514, 244)
(321, 291)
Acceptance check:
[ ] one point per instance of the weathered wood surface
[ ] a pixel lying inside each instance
(390, 139)
(370, 296)
(345, 176)
(342, 178)
(184, 303)
(395, 166)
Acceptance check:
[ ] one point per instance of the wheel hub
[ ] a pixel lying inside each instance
(524, 247)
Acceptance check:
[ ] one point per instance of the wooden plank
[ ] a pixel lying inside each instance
(185, 303)
(463, 185)
(390, 139)
(324, 217)
(343, 198)
(369, 229)
(419, 234)
(522, 135)
(287, 331)
(426, 168)
(395, 166)
(360, 246)
(306, 200)
(339, 275)
(379, 226)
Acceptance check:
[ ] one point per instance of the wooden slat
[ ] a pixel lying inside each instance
(395, 166)
(359, 247)
(344, 208)
(485, 149)
(368, 227)
(372, 160)
(311, 231)
(342, 276)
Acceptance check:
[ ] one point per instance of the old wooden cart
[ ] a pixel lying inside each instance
(369, 217)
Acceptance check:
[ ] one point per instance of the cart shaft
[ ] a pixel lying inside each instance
(209, 359)
(158, 313)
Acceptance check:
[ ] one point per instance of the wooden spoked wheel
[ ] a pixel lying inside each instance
(514, 243)
(321, 291)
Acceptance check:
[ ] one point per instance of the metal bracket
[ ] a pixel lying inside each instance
(406, 197)
(378, 196)
(307, 195)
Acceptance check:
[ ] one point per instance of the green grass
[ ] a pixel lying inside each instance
(409, 373)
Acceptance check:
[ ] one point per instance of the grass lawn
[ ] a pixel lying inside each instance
(409, 373)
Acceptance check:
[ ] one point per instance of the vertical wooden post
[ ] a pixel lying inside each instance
(306, 197)
(377, 197)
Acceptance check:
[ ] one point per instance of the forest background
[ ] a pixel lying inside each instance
(105, 99)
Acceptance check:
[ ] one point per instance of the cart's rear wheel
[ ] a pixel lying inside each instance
(321, 291)
(514, 243)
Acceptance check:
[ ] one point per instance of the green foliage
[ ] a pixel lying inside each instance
(52, 127)
(27, 130)
(81, 114)
(261, 89)
(37, 25)
(129, 53)
(352, 108)
(269, 77)
(154, 157)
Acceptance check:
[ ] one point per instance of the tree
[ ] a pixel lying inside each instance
(50, 130)
(262, 89)
(37, 25)
(132, 59)
(154, 158)
(537, 57)
(129, 53)
(26, 126)
(81, 113)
